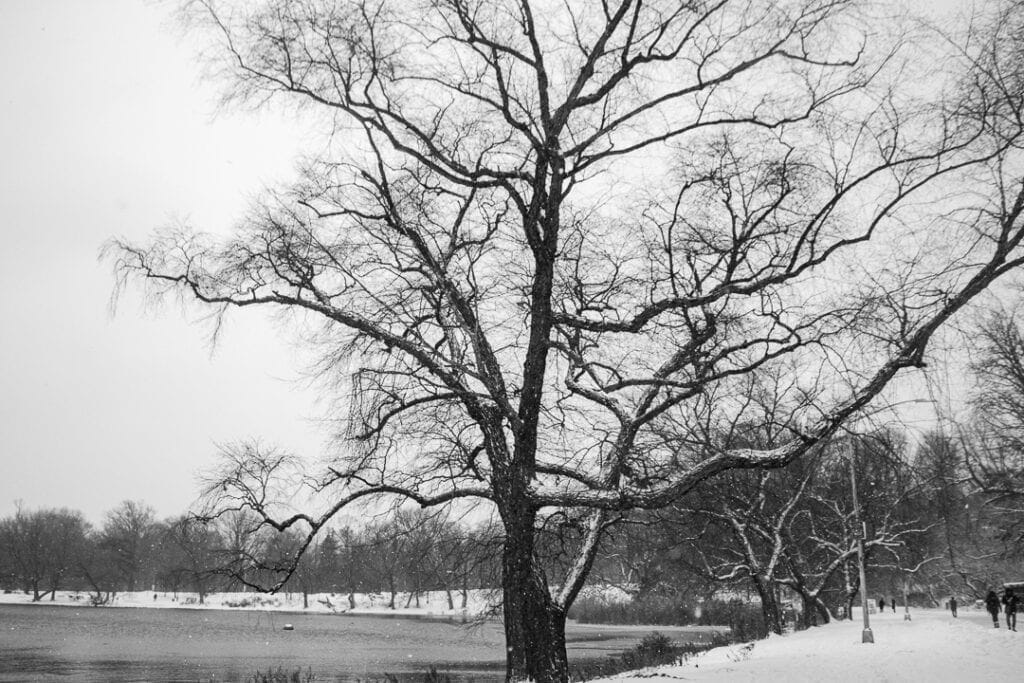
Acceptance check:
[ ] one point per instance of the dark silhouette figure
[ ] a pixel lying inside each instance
(952, 605)
(1010, 604)
(892, 601)
(881, 605)
(992, 605)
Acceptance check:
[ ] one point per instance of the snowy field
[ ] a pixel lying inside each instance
(932, 647)
(432, 603)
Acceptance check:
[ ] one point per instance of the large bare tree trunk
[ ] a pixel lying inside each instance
(769, 604)
(534, 623)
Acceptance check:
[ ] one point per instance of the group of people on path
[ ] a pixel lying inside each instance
(1010, 603)
(882, 604)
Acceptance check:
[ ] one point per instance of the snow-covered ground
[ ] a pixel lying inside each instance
(433, 603)
(932, 647)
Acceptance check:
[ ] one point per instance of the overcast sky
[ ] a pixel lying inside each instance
(106, 128)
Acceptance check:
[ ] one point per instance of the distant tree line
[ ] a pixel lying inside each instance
(774, 535)
(777, 536)
(46, 550)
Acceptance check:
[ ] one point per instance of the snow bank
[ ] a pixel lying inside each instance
(933, 646)
(431, 603)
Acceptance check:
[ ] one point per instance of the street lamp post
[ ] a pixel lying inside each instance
(866, 635)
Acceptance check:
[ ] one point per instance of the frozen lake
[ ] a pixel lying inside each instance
(39, 643)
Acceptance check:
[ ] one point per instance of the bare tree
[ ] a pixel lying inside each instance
(326, 566)
(741, 505)
(540, 245)
(387, 544)
(994, 439)
(194, 547)
(821, 544)
(638, 556)
(43, 548)
(129, 533)
(352, 564)
(242, 539)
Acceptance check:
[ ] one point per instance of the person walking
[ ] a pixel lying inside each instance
(1010, 604)
(952, 605)
(881, 605)
(992, 605)
(892, 601)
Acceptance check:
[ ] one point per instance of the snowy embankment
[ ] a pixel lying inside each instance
(932, 647)
(432, 603)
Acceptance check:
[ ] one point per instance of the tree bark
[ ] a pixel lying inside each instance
(201, 588)
(534, 623)
(813, 612)
(851, 583)
(769, 604)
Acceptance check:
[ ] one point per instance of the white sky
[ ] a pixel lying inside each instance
(106, 129)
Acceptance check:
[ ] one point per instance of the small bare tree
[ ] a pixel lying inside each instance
(194, 548)
(548, 234)
(129, 533)
(821, 543)
(994, 439)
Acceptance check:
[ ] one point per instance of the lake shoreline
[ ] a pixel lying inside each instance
(396, 614)
(210, 644)
(432, 603)
(480, 605)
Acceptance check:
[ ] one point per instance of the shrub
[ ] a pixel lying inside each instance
(281, 676)
(253, 601)
(654, 646)
(656, 649)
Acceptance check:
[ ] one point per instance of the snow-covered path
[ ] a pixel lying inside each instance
(931, 647)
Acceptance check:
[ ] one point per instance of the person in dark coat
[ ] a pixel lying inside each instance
(892, 601)
(952, 605)
(881, 605)
(1010, 604)
(992, 605)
